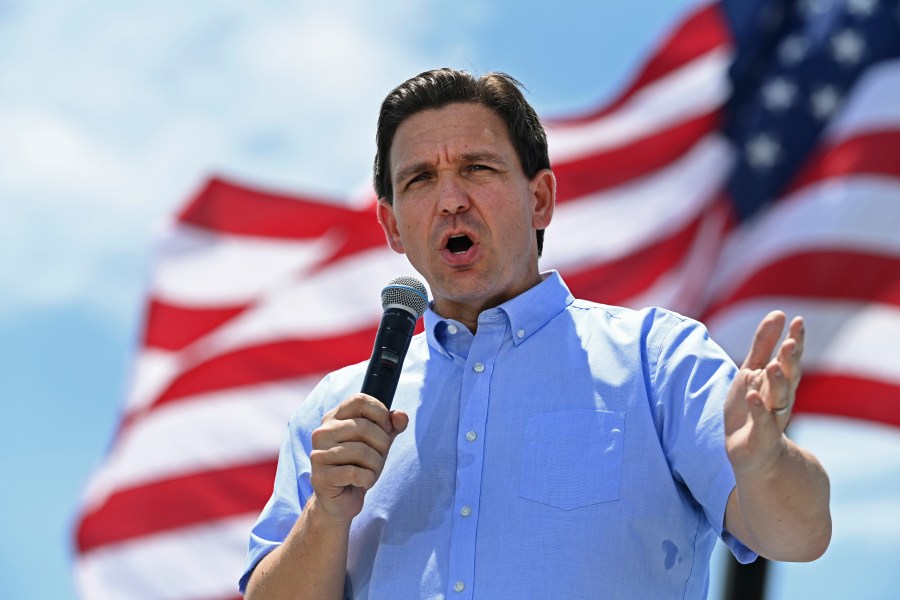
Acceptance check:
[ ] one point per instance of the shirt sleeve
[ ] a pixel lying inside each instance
(291, 490)
(692, 378)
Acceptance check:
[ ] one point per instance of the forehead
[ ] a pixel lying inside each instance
(437, 134)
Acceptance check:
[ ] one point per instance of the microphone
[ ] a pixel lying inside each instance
(404, 300)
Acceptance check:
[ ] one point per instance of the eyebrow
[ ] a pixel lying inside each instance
(411, 170)
(468, 157)
(482, 157)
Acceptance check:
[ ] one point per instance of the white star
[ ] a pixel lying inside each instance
(862, 8)
(763, 151)
(824, 101)
(847, 47)
(779, 93)
(793, 49)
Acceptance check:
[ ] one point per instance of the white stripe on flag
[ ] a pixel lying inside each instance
(842, 337)
(202, 561)
(214, 430)
(612, 223)
(695, 89)
(873, 105)
(195, 267)
(853, 213)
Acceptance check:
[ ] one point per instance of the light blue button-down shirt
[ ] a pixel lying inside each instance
(567, 450)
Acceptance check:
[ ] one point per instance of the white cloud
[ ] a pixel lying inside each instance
(113, 114)
(44, 151)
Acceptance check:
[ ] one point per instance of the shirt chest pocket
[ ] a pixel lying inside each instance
(572, 458)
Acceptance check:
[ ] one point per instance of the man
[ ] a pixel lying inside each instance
(540, 446)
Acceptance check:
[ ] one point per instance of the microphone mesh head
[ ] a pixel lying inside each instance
(408, 292)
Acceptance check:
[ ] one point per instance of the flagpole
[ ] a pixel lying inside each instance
(746, 582)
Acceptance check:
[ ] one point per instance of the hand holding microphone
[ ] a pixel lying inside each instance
(348, 451)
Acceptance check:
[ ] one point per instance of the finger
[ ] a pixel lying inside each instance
(795, 338)
(759, 412)
(336, 432)
(789, 359)
(357, 454)
(797, 332)
(338, 477)
(790, 353)
(365, 406)
(765, 340)
(777, 389)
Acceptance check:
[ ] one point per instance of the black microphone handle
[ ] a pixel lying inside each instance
(391, 344)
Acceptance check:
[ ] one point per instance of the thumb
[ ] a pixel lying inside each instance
(740, 384)
(399, 422)
(736, 402)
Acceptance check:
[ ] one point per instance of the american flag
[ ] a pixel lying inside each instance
(753, 163)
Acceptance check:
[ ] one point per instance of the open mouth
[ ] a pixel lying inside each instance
(458, 244)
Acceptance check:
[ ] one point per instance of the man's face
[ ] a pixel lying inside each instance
(464, 212)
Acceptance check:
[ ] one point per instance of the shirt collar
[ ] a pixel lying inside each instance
(527, 312)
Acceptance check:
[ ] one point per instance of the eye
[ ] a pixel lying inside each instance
(417, 178)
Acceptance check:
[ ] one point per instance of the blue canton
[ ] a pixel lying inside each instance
(795, 64)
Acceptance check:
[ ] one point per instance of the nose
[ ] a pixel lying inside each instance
(452, 196)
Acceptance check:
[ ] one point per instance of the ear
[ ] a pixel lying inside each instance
(388, 222)
(543, 191)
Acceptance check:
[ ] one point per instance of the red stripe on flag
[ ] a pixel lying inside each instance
(847, 396)
(615, 282)
(274, 361)
(832, 274)
(701, 31)
(224, 207)
(171, 327)
(590, 174)
(178, 502)
(871, 153)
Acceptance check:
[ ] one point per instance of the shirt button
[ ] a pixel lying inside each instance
(465, 511)
(471, 436)
(452, 329)
(459, 586)
(478, 367)
(520, 333)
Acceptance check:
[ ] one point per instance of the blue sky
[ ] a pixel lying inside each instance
(112, 114)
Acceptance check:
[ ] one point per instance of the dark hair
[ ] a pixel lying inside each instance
(437, 88)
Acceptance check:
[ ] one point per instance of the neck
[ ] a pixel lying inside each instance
(467, 312)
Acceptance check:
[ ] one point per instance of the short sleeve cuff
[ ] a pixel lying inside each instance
(741, 553)
(259, 549)
(720, 490)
